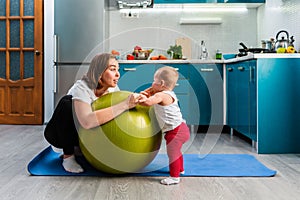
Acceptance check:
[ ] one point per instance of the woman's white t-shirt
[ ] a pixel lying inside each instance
(81, 91)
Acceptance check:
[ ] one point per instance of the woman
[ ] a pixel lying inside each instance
(102, 77)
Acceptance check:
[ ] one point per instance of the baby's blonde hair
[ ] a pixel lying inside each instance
(169, 75)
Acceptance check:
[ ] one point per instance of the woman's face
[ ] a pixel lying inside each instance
(111, 75)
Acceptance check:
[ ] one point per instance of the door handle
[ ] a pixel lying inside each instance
(241, 68)
(55, 50)
(37, 52)
(252, 79)
(206, 69)
(54, 78)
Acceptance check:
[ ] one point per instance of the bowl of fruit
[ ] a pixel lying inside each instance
(139, 54)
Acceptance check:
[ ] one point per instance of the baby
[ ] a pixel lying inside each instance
(168, 114)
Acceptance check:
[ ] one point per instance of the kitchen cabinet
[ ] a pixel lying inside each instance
(183, 89)
(278, 99)
(182, 1)
(136, 77)
(241, 97)
(199, 88)
(243, 1)
(207, 84)
(263, 98)
(207, 1)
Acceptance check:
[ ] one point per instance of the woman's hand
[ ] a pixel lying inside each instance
(90, 119)
(133, 100)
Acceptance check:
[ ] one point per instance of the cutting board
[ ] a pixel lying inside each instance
(186, 44)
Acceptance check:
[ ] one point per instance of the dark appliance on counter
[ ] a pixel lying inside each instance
(244, 51)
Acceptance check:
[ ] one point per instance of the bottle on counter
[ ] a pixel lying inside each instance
(203, 51)
(218, 54)
(263, 44)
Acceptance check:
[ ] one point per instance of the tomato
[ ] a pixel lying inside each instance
(130, 57)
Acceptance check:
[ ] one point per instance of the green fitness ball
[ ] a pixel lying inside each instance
(125, 144)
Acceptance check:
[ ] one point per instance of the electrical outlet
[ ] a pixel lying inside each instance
(130, 14)
(135, 14)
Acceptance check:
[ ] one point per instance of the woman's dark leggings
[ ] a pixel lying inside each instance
(61, 131)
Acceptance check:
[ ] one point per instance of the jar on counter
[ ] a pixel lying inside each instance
(218, 54)
(263, 44)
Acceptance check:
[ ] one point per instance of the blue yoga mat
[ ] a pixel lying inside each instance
(48, 163)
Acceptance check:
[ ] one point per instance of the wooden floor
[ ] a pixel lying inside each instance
(19, 144)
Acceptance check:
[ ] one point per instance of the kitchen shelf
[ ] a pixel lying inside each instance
(207, 1)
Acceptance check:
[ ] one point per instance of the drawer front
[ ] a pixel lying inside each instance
(136, 77)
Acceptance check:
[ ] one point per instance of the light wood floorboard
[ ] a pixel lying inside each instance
(19, 144)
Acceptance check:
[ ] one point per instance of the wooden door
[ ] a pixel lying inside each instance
(21, 61)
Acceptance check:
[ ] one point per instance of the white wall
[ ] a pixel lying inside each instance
(278, 15)
(160, 29)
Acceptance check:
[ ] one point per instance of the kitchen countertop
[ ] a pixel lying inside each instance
(214, 61)
(263, 55)
(277, 55)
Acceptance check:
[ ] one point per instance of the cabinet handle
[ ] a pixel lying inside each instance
(252, 74)
(206, 69)
(177, 69)
(230, 69)
(241, 68)
(177, 84)
(129, 69)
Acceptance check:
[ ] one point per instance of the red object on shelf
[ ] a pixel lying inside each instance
(130, 57)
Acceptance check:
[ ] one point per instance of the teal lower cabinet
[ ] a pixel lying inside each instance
(263, 99)
(182, 89)
(241, 1)
(241, 97)
(136, 77)
(199, 88)
(207, 84)
(278, 100)
(207, 1)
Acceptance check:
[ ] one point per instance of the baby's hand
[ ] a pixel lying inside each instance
(144, 93)
(148, 92)
(137, 97)
(142, 98)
